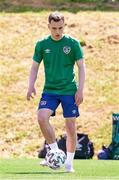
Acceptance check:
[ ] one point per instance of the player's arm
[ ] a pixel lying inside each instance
(32, 79)
(81, 77)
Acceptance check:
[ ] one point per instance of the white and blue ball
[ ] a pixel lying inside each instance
(55, 158)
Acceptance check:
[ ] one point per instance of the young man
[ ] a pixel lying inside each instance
(59, 53)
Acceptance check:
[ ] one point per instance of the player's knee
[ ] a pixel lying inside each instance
(71, 129)
(41, 118)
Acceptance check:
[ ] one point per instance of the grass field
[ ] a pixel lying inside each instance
(27, 169)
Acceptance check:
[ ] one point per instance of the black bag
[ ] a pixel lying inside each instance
(84, 147)
(43, 151)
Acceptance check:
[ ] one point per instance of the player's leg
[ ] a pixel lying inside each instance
(70, 112)
(71, 134)
(70, 143)
(47, 130)
(45, 126)
(47, 107)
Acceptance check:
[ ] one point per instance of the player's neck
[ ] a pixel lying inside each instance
(57, 39)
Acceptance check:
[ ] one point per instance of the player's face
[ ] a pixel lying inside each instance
(56, 29)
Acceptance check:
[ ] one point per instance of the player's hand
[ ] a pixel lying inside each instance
(79, 97)
(31, 93)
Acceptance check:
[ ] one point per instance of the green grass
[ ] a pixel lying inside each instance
(23, 169)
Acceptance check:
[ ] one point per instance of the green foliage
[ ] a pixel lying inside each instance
(79, 1)
(68, 5)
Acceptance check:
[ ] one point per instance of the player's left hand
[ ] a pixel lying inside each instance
(79, 97)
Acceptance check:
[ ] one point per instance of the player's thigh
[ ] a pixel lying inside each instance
(47, 105)
(70, 124)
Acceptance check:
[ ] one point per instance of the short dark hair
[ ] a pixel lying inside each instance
(55, 16)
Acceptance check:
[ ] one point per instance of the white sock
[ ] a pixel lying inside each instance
(70, 157)
(54, 146)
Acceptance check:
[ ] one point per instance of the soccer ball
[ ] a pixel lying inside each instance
(55, 158)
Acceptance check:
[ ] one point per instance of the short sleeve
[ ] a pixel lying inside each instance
(78, 52)
(38, 52)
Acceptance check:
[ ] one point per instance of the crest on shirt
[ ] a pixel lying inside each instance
(66, 49)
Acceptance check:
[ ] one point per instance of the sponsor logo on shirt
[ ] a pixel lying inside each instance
(66, 49)
(47, 51)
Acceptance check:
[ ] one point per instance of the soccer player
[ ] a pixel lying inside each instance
(59, 53)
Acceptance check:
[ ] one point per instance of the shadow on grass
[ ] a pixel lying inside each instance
(40, 172)
(70, 7)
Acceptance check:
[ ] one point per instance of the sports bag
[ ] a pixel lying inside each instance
(43, 151)
(84, 147)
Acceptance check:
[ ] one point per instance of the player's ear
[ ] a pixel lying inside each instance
(49, 26)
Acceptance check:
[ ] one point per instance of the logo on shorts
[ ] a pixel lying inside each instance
(74, 111)
(66, 49)
(43, 103)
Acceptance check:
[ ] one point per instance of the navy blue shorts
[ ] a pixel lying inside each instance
(51, 101)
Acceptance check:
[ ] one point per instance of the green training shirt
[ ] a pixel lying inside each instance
(59, 58)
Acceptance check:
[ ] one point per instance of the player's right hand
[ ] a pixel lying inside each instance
(31, 93)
